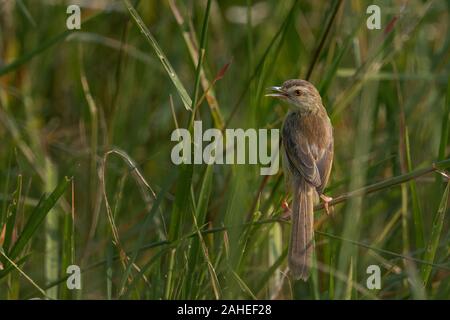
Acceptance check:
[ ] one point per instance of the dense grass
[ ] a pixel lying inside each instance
(85, 171)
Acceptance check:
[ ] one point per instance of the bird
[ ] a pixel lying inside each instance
(307, 158)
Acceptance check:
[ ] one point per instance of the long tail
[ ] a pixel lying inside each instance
(302, 245)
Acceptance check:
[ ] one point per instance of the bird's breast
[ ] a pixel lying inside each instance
(316, 129)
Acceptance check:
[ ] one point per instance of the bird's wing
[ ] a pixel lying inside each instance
(324, 165)
(300, 156)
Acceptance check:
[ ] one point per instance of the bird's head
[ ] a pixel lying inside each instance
(300, 94)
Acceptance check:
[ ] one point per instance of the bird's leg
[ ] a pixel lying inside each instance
(326, 200)
(287, 211)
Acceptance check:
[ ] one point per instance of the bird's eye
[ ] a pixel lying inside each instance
(298, 92)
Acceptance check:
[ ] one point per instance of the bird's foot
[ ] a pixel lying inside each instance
(287, 212)
(326, 203)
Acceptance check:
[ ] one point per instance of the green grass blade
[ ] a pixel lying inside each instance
(243, 285)
(332, 70)
(261, 62)
(37, 217)
(12, 213)
(9, 267)
(205, 192)
(416, 208)
(44, 45)
(349, 286)
(52, 229)
(143, 229)
(269, 273)
(2, 253)
(109, 270)
(330, 19)
(3, 213)
(331, 275)
(144, 269)
(28, 56)
(187, 102)
(68, 246)
(181, 206)
(200, 215)
(201, 56)
(436, 231)
(26, 12)
(445, 124)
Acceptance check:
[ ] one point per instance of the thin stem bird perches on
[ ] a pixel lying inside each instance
(435, 167)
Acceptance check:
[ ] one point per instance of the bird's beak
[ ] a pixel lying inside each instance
(276, 92)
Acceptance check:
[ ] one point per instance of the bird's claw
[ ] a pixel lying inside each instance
(287, 211)
(326, 203)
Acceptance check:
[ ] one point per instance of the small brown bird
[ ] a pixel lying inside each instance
(307, 137)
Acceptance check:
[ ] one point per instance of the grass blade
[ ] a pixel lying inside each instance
(416, 208)
(68, 245)
(201, 55)
(435, 235)
(144, 227)
(269, 273)
(243, 285)
(189, 37)
(200, 214)
(44, 45)
(37, 217)
(445, 124)
(2, 252)
(11, 216)
(187, 102)
(330, 19)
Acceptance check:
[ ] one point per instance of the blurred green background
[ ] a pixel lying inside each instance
(85, 171)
